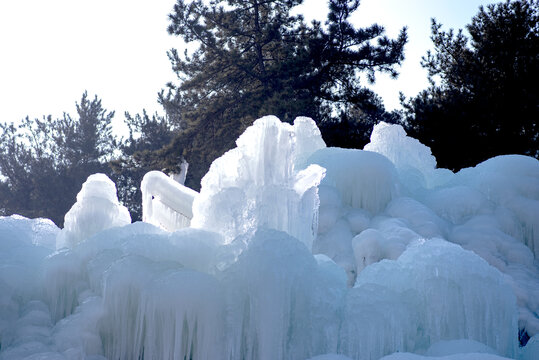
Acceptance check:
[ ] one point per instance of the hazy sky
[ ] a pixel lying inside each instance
(51, 51)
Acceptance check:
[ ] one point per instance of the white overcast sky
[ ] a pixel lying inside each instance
(51, 51)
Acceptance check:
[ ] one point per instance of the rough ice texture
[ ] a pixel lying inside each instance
(444, 292)
(246, 284)
(97, 208)
(490, 209)
(403, 151)
(257, 184)
(467, 356)
(414, 161)
(531, 350)
(166, 202)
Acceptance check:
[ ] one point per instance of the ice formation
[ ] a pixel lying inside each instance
(166, 202)
(295, 251)
(257, 184)
(97, 208)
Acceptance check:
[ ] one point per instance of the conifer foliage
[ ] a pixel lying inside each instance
(146, 134)
(254, 58)
(44, 162)
(484, 97)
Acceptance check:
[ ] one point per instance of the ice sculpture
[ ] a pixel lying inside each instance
(165, 202)
(403, 264)
(97, 208)
(257, 184)
(391, 141)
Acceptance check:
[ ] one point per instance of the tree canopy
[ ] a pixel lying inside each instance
(483, 100)
(44, 162)
(255, 58)
(146, 134)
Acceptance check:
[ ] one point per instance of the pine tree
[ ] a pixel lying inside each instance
(145, 135)
(44, 162)
(484, 98)
(254, 58)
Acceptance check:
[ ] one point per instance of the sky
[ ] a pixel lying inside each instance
(52, 51)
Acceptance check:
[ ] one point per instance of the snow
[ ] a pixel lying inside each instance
(291, 250)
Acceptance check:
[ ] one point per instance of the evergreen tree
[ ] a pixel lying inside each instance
(145, 135)
(483, 100)
(44, 162)
(254, 58)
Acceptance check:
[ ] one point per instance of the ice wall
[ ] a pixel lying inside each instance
(443, 292)
(97, 208)
(441, 266)
(490, 209)
(24, 247)
(257, 184)
(138, 290)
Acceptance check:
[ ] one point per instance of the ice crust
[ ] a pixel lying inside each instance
(295, 251)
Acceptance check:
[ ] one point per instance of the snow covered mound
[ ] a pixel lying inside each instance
(97, 208)
(295, 251)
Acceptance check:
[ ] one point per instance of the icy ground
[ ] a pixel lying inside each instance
(295, 251)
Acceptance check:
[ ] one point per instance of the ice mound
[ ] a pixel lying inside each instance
(286, 304)
(414, 161)
(403, 151)
(161, 309)
(257, 184)
(511, 182)
(449, 293)
(364, 179)
(467, 356)
(358, 184)
(490, 209)
(97, 208)
(404, 258)
(462, 346)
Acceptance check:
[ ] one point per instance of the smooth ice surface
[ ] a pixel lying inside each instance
(97, 208)
(296, 251)
(364, 179)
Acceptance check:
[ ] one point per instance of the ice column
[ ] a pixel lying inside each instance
(257, 184)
